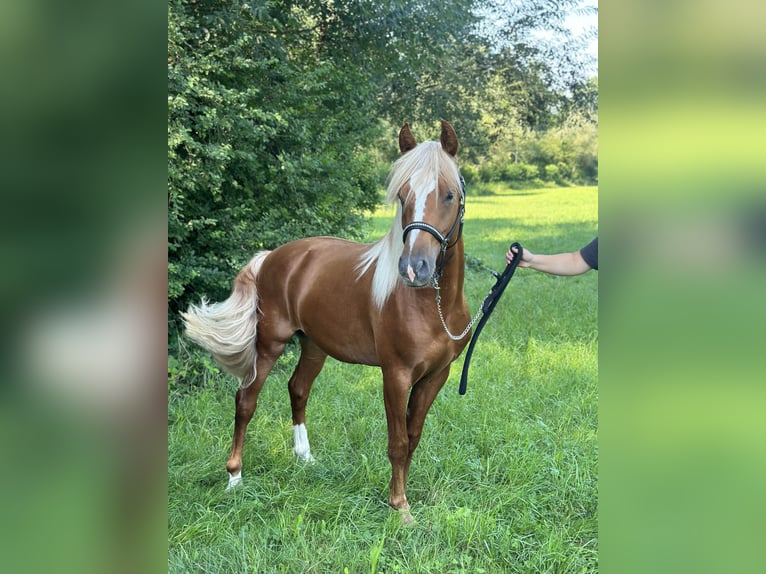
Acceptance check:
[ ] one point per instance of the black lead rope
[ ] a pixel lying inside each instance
(488, 306)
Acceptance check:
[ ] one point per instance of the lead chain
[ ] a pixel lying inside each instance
(435, 283)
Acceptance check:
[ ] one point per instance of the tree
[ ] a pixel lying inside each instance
(262, 143)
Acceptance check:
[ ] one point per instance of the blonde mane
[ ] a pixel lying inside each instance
(423, 164)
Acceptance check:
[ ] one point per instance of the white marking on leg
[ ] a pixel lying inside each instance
(234, 480)
(301, 447)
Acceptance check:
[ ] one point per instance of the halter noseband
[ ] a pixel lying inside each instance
(444, 240)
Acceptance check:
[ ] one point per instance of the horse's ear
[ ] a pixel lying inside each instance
(449, 139)
(406, 139)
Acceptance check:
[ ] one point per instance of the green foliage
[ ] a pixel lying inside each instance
(564, 155)
(189, 367)
(529, 133)
(470, 174)
(520, 172)
(264, 140)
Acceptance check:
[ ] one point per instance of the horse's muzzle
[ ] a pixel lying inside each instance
(416, 270)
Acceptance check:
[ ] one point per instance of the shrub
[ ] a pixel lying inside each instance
(520, 172)
(470, 173)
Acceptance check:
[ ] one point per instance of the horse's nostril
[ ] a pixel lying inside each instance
(422, 269)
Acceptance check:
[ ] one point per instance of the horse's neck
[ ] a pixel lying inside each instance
(453, 274)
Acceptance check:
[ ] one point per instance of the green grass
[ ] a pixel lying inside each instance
(504, 479)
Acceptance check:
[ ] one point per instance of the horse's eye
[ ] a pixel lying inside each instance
(449, 197)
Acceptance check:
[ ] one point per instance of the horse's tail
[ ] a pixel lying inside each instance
(228, 329)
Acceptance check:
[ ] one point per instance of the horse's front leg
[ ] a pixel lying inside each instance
(421, 398)
(396, 386)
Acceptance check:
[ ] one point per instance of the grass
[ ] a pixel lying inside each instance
(504, 480)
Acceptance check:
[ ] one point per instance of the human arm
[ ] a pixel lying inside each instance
(556, 264)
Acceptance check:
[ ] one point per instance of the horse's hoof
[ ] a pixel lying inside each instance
(305, 457)
(234, 480)
(406, 516)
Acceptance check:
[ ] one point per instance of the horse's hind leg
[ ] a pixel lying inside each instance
(245, 403)
(311, 362)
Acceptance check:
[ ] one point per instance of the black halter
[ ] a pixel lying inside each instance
(444, 240)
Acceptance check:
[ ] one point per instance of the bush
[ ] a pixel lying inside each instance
(261, 149)
(520, 172)
(489, 172)
(470, 174)
(552, 172)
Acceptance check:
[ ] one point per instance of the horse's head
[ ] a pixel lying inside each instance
(428, 184)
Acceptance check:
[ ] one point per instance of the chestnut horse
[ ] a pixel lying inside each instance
(372, 304)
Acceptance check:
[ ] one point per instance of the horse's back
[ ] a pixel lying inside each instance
(322, 262)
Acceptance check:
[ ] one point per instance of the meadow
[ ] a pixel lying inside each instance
(505, 477)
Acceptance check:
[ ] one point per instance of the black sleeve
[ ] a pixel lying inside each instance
(590, 254)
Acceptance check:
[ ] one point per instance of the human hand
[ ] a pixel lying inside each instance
(526, 257)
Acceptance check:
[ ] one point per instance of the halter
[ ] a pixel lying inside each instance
(444, 240)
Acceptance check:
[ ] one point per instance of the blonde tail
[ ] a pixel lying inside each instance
(228, 329)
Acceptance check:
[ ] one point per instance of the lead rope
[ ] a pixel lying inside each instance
(488, 305)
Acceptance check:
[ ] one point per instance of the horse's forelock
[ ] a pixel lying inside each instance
(426, 160)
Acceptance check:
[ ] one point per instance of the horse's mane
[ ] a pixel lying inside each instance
(421, 168)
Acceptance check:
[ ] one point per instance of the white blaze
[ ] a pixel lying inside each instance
(421, 197)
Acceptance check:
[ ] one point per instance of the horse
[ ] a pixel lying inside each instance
(392, 304)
